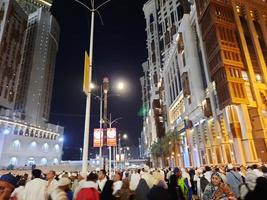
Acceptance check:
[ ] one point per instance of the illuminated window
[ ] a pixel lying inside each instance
(43, 161)
(15, 145)
(57, 147)
(55, 161)
(31, 161)
(13, 161)
(245, 75)
(258, 78)
(45, 147)
(33, 144)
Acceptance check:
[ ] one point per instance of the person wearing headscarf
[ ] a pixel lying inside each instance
(159, 190)
(134, 180)
(145, 184)
(259, 191)
(178, 186)
(217, 190)
(125, 193)
(250, 183)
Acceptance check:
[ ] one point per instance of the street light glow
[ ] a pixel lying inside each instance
(121, 85)
(125, 136)
(92, 86)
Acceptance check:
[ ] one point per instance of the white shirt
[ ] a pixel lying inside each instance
(135, 178)
(169, 174)
(207, 175)
(51, 186)
(116, 186)
(18, 193)
(35, 189)
(186, 175)
(101, 183)
(258, 172)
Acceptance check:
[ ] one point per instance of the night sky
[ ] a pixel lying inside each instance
(119, 51)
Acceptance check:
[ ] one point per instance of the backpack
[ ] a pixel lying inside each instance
(203, 183)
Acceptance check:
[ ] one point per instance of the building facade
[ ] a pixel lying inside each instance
(234, 35)
(27, 137)
(162, 22)
(40, 56)
(22, 144)
(30, 6)
(13, 24)
(214, 73)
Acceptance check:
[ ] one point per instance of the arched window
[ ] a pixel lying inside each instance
(45, 147)
(57, 148)
(43, 161)
(13, 161)
(33, 146)
(31, 161)
(55, 161)
(15, 146)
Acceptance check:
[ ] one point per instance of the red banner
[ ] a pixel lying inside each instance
(97, 134)
(111, 137)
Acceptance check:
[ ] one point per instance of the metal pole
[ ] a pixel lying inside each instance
(113, 149)
(115, 157)
(105, 89)
(109, 162)
(88, 102)
(119, 148)
(100, 125)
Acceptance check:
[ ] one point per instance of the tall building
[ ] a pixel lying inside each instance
(13, 24)
(162, 23)
(29, 47)
(162, 20)
(234, 33)
(40, 57)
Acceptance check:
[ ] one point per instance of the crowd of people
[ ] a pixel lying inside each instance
(207, 183)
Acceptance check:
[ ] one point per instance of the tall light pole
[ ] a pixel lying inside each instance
(105, 89)
(100, 124)
(120, 86)
(124, 136)
(88, 95)
(114, 149)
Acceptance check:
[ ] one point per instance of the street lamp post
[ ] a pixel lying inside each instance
(114, 149)
(104, 119)
(105, 89)
(100, 125)
(88, 96)
(124, 136)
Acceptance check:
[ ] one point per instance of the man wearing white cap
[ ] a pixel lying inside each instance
(59, 193)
